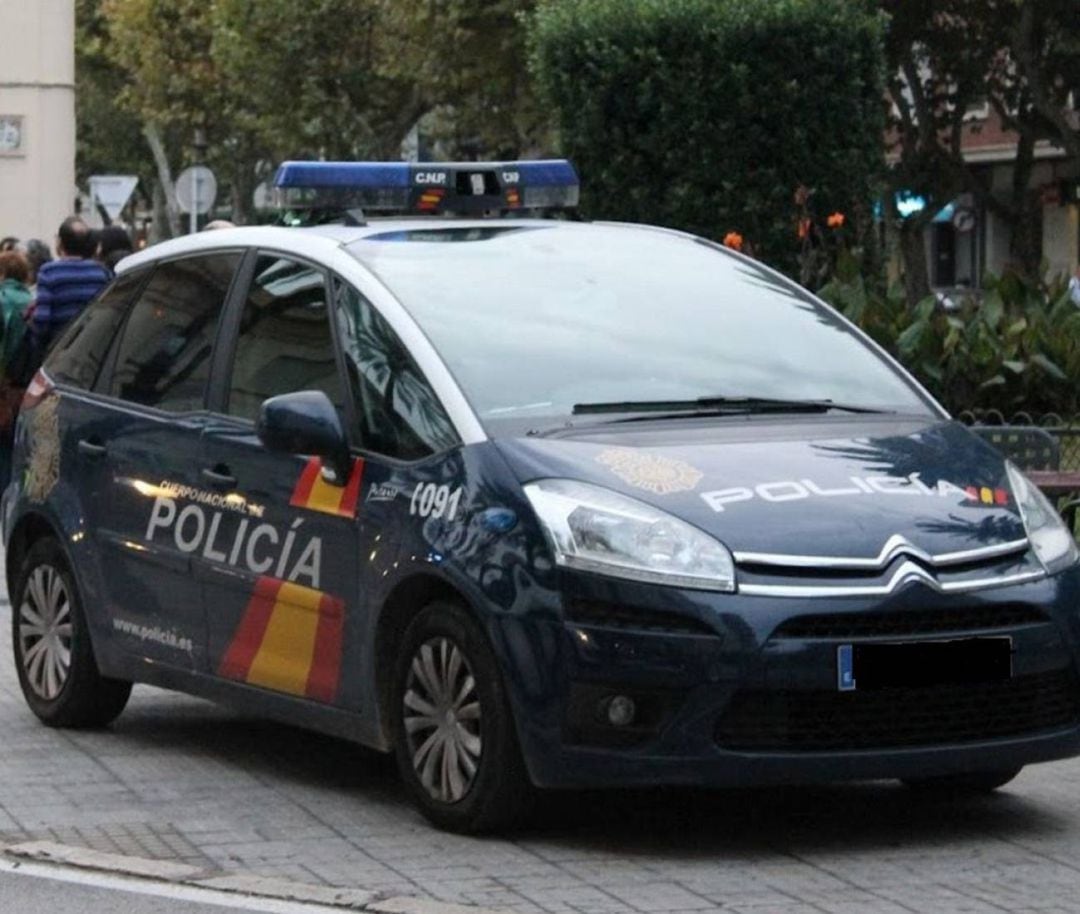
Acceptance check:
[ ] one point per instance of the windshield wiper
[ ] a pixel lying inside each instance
(718, 405)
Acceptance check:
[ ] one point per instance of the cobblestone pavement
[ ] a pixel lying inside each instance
(179, 779)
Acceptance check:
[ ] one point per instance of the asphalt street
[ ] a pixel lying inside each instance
(179, 779)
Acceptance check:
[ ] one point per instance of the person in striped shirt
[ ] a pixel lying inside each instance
(66, 285)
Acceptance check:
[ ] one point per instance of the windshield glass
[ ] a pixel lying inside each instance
(533, 320)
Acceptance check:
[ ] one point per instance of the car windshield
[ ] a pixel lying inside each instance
(534, 320)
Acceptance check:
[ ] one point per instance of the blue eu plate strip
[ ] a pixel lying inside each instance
(845, 668)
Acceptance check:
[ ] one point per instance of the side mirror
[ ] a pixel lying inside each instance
(306, 422)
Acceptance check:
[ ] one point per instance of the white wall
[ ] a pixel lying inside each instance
(37, 81)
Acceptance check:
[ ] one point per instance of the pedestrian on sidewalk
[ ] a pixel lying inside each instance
(114, 244)
(66, 285)
(37, 253)
(14, 298)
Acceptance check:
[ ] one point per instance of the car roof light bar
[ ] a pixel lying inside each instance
(458, 188)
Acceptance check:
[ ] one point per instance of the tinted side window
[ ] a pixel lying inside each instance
(164, 354)
(284, 342)
(78, 355)
(398, 412)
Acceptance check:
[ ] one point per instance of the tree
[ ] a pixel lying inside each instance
(359, 74)
(945, 57)
(177, 88)
(340, 79)
(109, 137)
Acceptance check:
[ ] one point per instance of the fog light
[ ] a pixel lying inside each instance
(621, 711)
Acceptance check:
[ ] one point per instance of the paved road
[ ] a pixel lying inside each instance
(179, 779)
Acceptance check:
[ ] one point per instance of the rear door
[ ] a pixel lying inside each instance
(154, 517)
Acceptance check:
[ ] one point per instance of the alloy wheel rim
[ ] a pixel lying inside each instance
(442, 719)
(45, 632)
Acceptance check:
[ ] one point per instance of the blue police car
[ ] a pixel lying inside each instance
(530, 502)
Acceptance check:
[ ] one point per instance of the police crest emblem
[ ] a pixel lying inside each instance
(652, 472)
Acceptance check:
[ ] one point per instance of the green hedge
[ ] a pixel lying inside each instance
(708, 115)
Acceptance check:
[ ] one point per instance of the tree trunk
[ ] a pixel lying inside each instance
(160, 223)
(1025, 246)
(165, 181)
(913, 253)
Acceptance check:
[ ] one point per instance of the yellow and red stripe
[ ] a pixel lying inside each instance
(316, 494)
(288, 640)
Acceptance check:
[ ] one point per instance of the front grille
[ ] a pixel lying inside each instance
(602, 614)
(832, 626)
(837, 721)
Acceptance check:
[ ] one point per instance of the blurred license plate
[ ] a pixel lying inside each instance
(911, 664)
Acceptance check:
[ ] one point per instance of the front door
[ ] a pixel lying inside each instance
(282, 572)
(151, 525)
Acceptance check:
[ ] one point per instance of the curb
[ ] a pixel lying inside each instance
(248, 884)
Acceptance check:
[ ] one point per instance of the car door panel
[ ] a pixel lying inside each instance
(280, 600)
(149, 527)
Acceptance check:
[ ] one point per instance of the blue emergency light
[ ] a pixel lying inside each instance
(427, 187)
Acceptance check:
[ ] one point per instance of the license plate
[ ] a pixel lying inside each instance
(914, 664)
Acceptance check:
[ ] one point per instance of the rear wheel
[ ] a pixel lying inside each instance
(969, 782)
(55, 661)
(455, 741)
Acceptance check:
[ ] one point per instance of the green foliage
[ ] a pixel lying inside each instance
(266, 80)
(109, 138)
(708, 115)
(1014, 347)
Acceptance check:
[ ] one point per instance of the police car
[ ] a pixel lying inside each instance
(530, 502)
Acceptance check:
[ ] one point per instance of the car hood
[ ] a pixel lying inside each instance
(815, 485)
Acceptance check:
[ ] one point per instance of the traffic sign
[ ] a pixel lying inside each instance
(112, 192)
(196, 189)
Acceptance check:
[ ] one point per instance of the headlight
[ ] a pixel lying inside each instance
(1050, 538)
(598, 530)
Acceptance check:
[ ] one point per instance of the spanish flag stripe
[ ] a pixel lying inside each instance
(351, 495)
(324, 497)
(284, 658)
(322, 681)
(249, 633)
(307, 480)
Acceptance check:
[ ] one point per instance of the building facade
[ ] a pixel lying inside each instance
(37, 116)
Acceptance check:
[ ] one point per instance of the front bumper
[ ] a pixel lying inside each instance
(751, 696)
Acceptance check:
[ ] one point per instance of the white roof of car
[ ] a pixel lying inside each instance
(313, 241)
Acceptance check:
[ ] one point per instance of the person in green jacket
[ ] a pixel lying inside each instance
(14, 300)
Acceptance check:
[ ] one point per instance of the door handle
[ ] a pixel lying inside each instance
(91, 448)
(219, 477)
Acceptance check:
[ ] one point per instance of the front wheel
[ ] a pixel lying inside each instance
(455, 741)
(53, 655)
(967, 783)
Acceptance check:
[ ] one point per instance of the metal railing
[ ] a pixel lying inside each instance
(1049, 443)
(1065, 431)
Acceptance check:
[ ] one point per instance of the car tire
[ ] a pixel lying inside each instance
(464, 770)
(966, 784)
(55, 661)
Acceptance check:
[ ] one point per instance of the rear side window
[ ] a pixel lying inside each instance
(164, 354)
(284, 343)
(78, 355)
